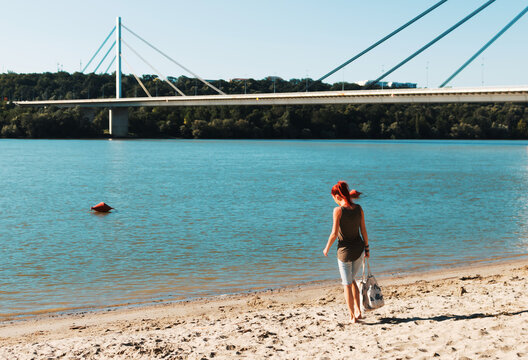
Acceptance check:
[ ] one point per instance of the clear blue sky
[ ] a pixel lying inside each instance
(290, 39)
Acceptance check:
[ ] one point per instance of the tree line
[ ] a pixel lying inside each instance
(352, 121)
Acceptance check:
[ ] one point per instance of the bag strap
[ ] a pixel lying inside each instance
(368, 266)
(363, 277)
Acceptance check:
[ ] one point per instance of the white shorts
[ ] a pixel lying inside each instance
(349, 270)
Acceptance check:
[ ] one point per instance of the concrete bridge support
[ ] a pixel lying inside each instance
(118, 122)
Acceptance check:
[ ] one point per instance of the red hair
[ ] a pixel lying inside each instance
(341, 189)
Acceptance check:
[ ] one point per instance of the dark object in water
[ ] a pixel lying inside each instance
(101, 207)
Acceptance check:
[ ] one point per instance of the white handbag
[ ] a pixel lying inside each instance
(369, 291)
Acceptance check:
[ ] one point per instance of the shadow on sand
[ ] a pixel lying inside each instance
(395, 320)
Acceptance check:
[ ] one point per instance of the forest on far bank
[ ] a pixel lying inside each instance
(365, 121)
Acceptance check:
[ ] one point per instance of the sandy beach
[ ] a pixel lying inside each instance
(477, 312)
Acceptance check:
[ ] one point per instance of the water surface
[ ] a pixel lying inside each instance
(200, 218)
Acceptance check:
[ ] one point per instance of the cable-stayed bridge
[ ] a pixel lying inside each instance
(387, 96)
(118, 105)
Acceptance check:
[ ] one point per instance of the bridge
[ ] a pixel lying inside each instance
(387, 96)
(118, 105)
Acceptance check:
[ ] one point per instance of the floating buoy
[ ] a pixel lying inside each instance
(101, 207)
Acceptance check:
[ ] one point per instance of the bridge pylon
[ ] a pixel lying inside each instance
(118, 117)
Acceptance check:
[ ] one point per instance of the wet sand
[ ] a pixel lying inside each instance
(463, 313)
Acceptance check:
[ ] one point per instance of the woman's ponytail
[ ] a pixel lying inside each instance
(341, 189)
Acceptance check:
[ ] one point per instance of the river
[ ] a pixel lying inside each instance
(203, 218)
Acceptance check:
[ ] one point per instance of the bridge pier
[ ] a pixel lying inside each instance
(118, 122)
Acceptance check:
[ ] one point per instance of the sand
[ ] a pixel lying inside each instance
(465, 313)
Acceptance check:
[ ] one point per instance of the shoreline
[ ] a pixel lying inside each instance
(388, 277)
(471, 309)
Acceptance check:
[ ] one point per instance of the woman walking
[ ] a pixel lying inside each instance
(352, 247)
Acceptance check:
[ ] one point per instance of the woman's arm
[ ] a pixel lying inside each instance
(335, 230)
(364, 235)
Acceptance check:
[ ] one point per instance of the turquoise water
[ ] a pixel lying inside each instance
(200, 218)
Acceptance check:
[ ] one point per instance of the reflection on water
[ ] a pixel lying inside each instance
(197, 218)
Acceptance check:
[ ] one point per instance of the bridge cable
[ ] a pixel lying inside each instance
(175, 62)
(431, 43)
(381, 41)
(97, 52)
(153, 68)
(111, 63)
(134, 73)
(504, 29)
(104, 57)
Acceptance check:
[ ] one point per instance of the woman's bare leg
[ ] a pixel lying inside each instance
(355, 297)
(349, 298)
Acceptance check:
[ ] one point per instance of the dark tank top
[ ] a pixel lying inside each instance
(350, 245)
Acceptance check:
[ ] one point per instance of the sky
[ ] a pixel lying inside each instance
(255, 39)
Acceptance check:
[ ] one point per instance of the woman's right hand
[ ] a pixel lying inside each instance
(325, 251)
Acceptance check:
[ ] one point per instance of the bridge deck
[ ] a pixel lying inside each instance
(388, 96)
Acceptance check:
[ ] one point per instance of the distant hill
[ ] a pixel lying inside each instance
(374, 121)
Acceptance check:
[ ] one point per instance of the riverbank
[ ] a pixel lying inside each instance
(457, 313)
